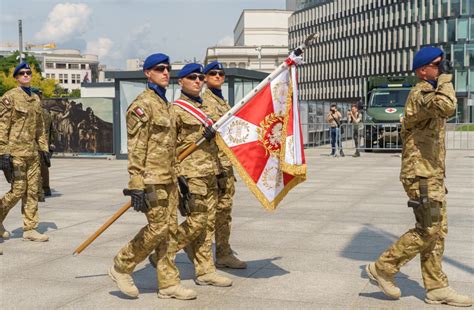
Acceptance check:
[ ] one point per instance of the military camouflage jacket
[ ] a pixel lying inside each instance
(151, 129)
(424, 127)
(21, 124)
(221, 107)
(203, 161)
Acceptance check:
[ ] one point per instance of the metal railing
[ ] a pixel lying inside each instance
(380, 136)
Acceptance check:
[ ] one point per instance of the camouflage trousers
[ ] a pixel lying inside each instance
(224, 213)
(155, 235)
(195, 234)
(26, 172)
(428, 242)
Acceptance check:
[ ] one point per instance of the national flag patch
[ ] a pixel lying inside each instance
(139, 112)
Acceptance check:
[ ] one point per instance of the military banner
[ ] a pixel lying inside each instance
(263, 139)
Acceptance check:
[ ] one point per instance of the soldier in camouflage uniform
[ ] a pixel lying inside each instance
(428, 106)
(215, 77)
(21, 123)
(199, 169)
(151, 129)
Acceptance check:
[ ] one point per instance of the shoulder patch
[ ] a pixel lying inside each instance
(139, 112)
(6, 102)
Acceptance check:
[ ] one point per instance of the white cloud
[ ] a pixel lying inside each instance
(100, 47)
(65, 21)
(226, 41)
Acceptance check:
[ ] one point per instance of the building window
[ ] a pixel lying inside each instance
(73, 66)
(441, 31)
(455, 7)
(60, 66)
(451, 30)
(470, 56)
(458, 51)
(50, 65)
(461, 80)
(65, 79)
(463, 28)
(75, 78)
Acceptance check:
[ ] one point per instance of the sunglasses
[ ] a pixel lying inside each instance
(25, 72)
(434, 64)
(161, 69)
(193, 77)
(214, 73)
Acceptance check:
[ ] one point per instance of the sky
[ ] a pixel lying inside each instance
(116, 30)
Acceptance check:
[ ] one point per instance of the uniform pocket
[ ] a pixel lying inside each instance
(197, 186)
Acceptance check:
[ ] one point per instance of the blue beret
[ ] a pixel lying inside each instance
(155, 59)
(425, 56)
(190, 68)
(215, 65)
(23, 65)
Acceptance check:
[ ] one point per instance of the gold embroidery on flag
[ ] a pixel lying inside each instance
(238, 131)
(269, 134)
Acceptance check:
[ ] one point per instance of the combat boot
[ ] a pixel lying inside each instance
(230, 261)
(448, 296)
(214, 279)
(386, 283)
(178, 292)
(5, 234)
(33, 235)
(342, 153)
(124, 282)
(47, 192)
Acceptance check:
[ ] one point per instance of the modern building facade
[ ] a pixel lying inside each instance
(364, 38)
(260, 41)
(69, 67)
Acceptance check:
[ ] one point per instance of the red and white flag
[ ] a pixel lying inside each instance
(263, 139)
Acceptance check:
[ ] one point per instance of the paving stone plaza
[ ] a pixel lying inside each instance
(308, 254)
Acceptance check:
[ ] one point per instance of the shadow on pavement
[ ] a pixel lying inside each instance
(42, 228)
(360, 247)
(407, 286)
(370, 242)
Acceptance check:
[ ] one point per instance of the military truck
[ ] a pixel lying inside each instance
(384, 105)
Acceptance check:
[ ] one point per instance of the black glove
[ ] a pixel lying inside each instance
(183, 187)
(139, 202)
(5, 161)
(46, 158)
(184, 196)
(445, 66)
(6, 164)
(209, 133)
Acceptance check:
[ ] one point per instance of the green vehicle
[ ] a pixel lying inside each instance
(384, 105)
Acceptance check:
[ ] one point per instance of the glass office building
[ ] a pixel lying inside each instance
(363, 38)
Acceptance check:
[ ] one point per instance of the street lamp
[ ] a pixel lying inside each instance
(259, 52)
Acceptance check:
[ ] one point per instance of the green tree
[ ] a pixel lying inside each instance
(75, 93)
(8, 62)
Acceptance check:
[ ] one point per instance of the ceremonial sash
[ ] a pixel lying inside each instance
(196, 112)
